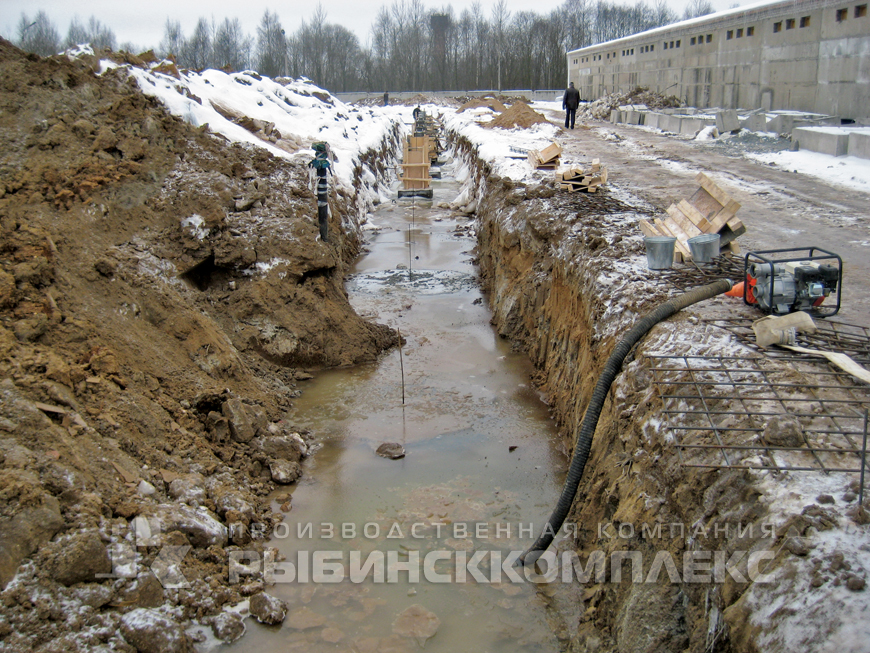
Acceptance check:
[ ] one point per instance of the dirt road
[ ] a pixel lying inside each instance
(779, 208)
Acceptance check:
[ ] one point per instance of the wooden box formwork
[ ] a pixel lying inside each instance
(415, 164)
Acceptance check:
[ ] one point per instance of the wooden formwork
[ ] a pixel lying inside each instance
(415, 164)
(709, 210)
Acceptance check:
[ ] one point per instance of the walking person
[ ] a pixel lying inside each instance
(570, 102)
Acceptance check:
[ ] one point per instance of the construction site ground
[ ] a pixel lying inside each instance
(165, 299)
(780, 208)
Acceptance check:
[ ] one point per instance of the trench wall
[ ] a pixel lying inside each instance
(556, 291)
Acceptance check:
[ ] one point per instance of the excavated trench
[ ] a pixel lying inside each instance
(482, 458)
(483, 451)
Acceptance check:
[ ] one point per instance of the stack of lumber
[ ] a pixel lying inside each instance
(415, 163)
(575, 178)
(708, 211)
(546, 159)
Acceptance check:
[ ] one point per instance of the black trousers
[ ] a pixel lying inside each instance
(570, 114)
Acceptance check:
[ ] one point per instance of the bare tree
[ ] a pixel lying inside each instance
(197, 52)
(232, 47)
(39, 36)
(271, 46)
(94, 32)
(697, 8)
(173, 39)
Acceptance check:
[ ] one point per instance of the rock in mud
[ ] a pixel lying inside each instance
(783, 431)
(855, 584)
(288, 446)
(268, 609)
(200, 527)
(228, 496)
(189, 489)
(416, 622)
(228, 627)
(24, 533)
(145, 592)
(241, 426)
(78, 558)
(392, 450)
(151, 632)
(30, 328)
(95, 595)
(285, 472)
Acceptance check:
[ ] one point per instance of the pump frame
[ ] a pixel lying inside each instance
(763, 257)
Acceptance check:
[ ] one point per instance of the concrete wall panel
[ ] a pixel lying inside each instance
(784, 69)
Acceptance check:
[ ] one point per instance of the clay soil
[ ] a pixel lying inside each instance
(162, 294)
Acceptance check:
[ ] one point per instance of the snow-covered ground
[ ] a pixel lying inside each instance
(301, 112)
(846, 171)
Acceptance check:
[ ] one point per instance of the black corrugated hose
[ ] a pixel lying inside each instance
(593, 411)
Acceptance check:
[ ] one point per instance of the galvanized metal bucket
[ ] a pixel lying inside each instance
(659, 251)
(704, 248)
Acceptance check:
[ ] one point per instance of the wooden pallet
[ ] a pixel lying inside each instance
(546, 159)
(709, 210)
(579, 179)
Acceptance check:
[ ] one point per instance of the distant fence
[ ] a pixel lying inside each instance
(535, 96)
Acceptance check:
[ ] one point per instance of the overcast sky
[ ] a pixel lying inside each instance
(142, 23)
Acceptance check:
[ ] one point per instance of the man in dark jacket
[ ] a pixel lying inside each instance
(570, 102)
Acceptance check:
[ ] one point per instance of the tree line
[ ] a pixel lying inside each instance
(410, 47)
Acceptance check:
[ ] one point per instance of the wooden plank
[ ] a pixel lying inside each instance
(721, 219)
(736, 224)
(708, 185)
(551, 152)
(688, 218)
(648, 229)
(678, 246)
(734, 247)
(676, 229)
(693, 216)
(705, 203)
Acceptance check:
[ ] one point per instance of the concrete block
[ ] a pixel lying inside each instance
(670, 124)
(633, 117)
(615, 116)
(859, 144)
(757, 122)
(651, 119)
(781, 124)
(825, 140)
(691, 126)
(727, 121)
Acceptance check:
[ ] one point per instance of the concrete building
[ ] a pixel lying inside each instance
(803, 55)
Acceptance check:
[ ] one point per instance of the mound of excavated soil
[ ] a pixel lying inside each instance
(520, 114)
(489, 103)
(159, 289)
(602, 107)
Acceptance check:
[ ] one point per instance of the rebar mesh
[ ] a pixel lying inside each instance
(728, 412)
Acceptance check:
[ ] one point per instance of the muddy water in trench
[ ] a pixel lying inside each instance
(467, 402)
